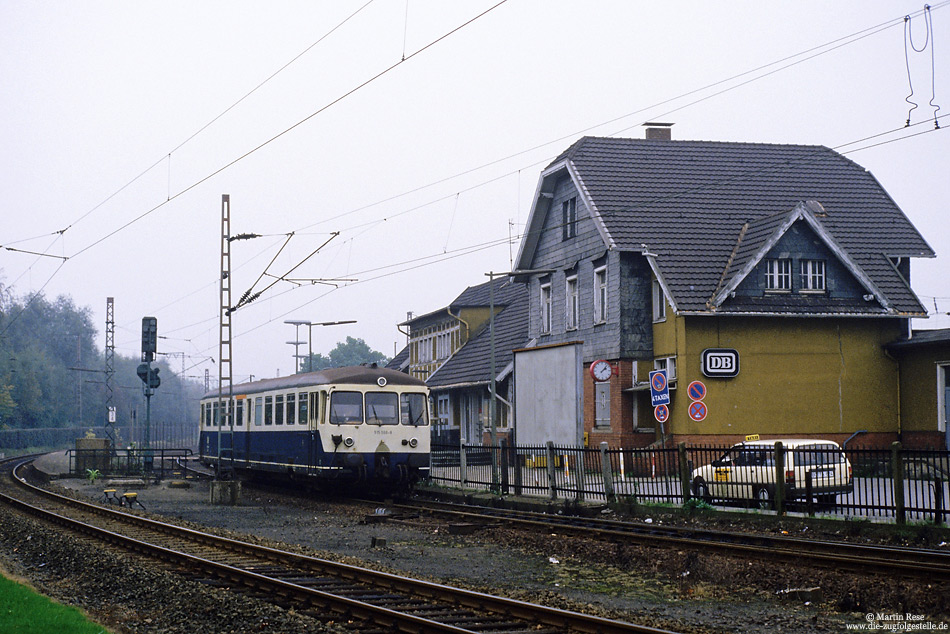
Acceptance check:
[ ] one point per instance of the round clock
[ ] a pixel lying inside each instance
(601, 370)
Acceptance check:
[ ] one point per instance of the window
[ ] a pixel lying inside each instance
(413, 409)
(572, 306)
(302, 408)
(659, 302)
(778, 274)
(279, 409)
(291, 409)
(546, 308)
(268, 410)
(382, 408)
(569, 219)
(668, 364)
(258, 411)
(813, 275)
(600, 295)
(346, 408)
(216, 422)
(240, 413)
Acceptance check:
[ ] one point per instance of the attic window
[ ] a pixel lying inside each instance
(569, 219)
(778, 275)
(813, 276)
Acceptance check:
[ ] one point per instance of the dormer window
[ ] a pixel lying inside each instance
(778, 274)
(812, 276)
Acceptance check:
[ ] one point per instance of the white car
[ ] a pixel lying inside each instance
(747, 472)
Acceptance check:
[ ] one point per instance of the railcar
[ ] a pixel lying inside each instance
(355, 427)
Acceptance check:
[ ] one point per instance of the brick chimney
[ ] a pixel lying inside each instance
(658, 131)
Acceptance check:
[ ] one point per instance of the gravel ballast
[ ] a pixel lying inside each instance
(668, 589)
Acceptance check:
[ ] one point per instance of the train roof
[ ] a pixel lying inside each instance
(360, 374)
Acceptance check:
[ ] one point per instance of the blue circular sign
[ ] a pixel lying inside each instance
(696, 390)
(661, 413)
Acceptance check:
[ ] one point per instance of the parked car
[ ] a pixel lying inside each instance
(746, 472)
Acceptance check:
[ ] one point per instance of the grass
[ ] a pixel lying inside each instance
(23, 611)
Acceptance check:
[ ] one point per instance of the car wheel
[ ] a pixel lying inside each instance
(763, 498)
(701, 490)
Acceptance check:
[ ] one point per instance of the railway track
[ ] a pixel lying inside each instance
(899, 561)
(375, 601)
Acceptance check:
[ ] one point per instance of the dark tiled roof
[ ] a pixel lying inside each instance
(400, 361)
(923, 338)
(472, 362)
(480, 295)
(687, 201)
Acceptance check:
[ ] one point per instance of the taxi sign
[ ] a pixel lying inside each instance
(751, 437)
(659, 388)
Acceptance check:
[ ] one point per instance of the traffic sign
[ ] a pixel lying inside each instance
(659, 388)
(696, 390)
(697, 410)
(661, 413)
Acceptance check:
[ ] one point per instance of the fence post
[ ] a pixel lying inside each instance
(552, 491)
(463, 468)
(897, 474)
(684, 471)
(504, 465)
(608, 473)
(519, 469)
(779, 478)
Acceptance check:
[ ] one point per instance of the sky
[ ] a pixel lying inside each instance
(398, 143)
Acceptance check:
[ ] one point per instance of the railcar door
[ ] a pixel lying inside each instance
(312, 417)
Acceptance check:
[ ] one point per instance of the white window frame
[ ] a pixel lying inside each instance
(600, 295)
(659, 302)
(572, 303)
(545, 297)
(569, 218)
(668, 364)
(812, 276)
(778, 275)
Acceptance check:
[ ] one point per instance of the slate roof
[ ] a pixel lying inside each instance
(475, 296)
(400, 361)
(687, 202)
(922, 338)
(471, 364)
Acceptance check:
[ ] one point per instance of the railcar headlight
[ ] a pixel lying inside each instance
(349, 442)
(413, 443)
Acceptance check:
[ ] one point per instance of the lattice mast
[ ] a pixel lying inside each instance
(110, 372)
(225, 385)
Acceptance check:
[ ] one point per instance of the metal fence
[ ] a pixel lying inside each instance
(158, 463)
(893, 484)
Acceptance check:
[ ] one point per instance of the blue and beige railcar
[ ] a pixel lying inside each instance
(362, 426)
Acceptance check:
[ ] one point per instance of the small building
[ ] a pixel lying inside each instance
(774, 275)
(924, 360)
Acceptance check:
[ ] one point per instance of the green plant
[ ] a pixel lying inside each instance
(694, 504)
(92, 475)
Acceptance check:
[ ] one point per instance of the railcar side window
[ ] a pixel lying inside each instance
(217, 413)
(279, 409)
(382, 408)
(291, 409)
(346, 408)
(302, 411)
(413, 409)
(268, 410)
(239, 407)
(258, 411)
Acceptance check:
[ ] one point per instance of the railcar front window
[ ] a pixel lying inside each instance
(346, 408)
(382, 408)
(414, 409)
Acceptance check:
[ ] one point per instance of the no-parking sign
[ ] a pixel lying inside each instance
(697, 410)
(661, 413)
(659, 388)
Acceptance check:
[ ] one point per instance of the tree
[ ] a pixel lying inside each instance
(351, 352)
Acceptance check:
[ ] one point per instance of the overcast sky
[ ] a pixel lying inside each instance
(111, 169)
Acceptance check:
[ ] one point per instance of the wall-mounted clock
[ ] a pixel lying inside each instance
(601, 370)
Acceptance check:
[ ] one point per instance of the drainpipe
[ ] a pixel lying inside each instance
(844, 445)
(900, 428)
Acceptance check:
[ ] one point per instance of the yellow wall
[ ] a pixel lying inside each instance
(796, 376)
(919, 389)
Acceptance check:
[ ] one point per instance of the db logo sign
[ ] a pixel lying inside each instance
(720, 362)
